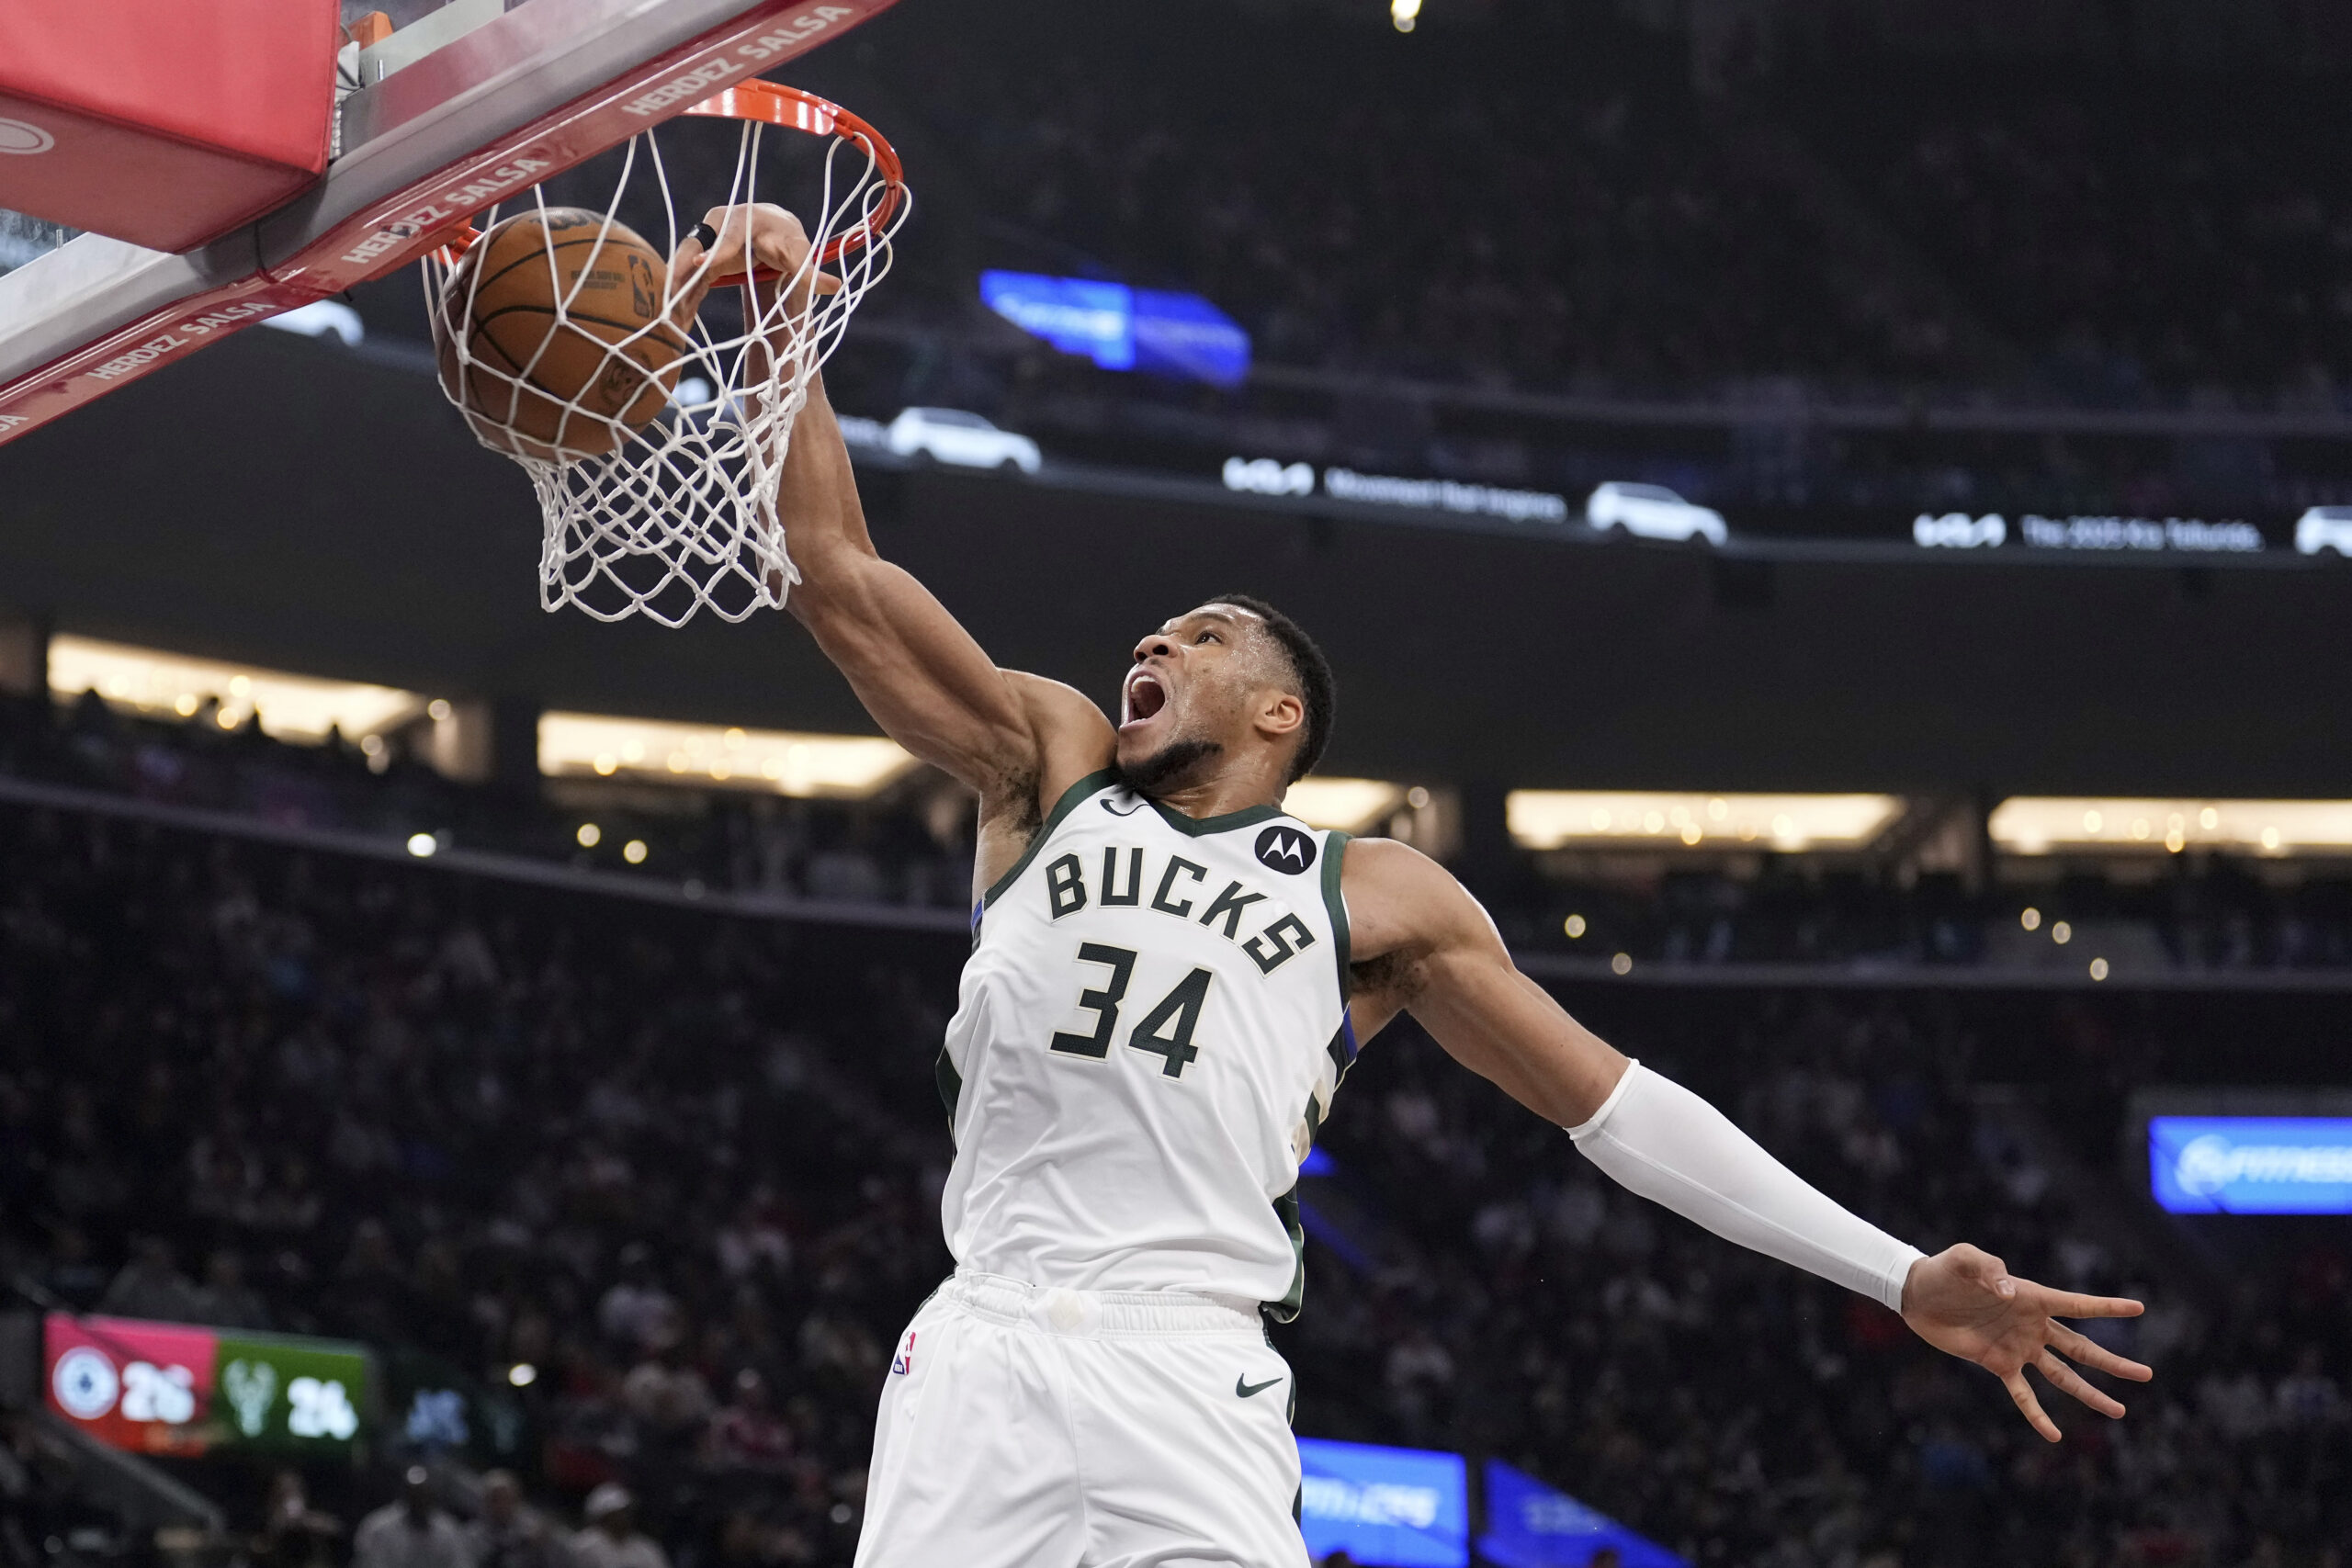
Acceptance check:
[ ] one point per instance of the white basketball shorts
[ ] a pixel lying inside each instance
(1025, 1428)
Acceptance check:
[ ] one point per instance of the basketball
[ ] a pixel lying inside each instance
(565, 348)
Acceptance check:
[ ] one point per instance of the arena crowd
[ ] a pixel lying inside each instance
(685, 1168)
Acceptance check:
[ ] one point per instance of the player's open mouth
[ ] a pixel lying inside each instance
(1145, 697)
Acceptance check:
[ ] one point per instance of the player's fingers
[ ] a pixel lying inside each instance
(2097, 1356)
(2028, 1406)
(2071, 1305)
(2067, 1380)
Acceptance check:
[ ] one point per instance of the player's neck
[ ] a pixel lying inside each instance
(1220, 793)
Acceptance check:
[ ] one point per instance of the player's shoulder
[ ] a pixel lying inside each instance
(1074, 739)
(1398, 897)
(1384, 867)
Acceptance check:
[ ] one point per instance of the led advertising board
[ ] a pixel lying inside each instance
(1530, 1524)
(1393, 1507)
(170, 1388)
(1120, 328)
(2251, 1164)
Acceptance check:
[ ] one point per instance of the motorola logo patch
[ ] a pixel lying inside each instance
(1283, 848)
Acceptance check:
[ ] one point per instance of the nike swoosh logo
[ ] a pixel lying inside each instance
(1242, 1389)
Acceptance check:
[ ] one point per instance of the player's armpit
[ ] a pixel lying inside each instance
(1443, 962)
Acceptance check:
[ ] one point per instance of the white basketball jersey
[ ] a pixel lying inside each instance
(1152, 1025)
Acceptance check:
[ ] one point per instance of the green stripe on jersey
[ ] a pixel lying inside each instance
(1335, 854)
(1286, 1210)
(951, 1090)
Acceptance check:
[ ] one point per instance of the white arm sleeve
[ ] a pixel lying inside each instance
(1656, 1138)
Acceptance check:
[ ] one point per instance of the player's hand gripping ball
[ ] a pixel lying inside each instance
(553, 336)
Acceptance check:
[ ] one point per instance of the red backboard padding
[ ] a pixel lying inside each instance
(163, 122)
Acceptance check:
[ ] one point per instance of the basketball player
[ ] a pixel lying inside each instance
(1170, 978)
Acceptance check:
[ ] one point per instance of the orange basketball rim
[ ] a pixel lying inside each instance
(788, 108)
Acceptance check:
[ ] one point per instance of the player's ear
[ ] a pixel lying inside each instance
(1280, 714)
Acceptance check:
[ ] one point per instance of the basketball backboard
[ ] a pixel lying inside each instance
(460, 105)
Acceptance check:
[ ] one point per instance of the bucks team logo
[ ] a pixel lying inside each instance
(252, 1388)
(1283, 848)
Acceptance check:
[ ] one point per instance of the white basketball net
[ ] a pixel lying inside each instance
(682, 517)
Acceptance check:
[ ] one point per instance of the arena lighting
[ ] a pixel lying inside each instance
(2040, 824)
(292, 707)
(772, 761)
(1563, 818)
(1350, 804)
(1404, 14)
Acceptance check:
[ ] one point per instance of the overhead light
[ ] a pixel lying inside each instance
(423, 845)
(1403, 14)
(292, 707)
(1560, 819)
(773, 762)
(2040, 824)
(1348, 805)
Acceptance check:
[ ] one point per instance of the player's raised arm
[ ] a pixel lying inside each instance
(1423, 944)
(1016, 739)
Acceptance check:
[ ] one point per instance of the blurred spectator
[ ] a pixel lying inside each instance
(293, 1534)
(151, 1285)
(225, 1300)
(612, 1539)
(411, 1532)
(508, 1532)
(746, 1433)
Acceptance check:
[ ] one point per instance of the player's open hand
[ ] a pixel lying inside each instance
(1964, 1301)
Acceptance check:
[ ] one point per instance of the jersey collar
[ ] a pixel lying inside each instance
(1200, 826)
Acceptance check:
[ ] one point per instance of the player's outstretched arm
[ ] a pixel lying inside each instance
(1422, 943)
(1016, 739)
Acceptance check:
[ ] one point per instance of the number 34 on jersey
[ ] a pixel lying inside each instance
(1256, 925)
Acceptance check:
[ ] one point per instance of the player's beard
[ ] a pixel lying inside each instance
(1165, 767)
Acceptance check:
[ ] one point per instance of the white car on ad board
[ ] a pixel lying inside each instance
(2324, 528)
(1651, 512)
(959, 439)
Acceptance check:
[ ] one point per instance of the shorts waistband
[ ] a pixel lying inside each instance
(1090, 1315)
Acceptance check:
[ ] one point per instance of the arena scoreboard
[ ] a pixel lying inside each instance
(181, 1389)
